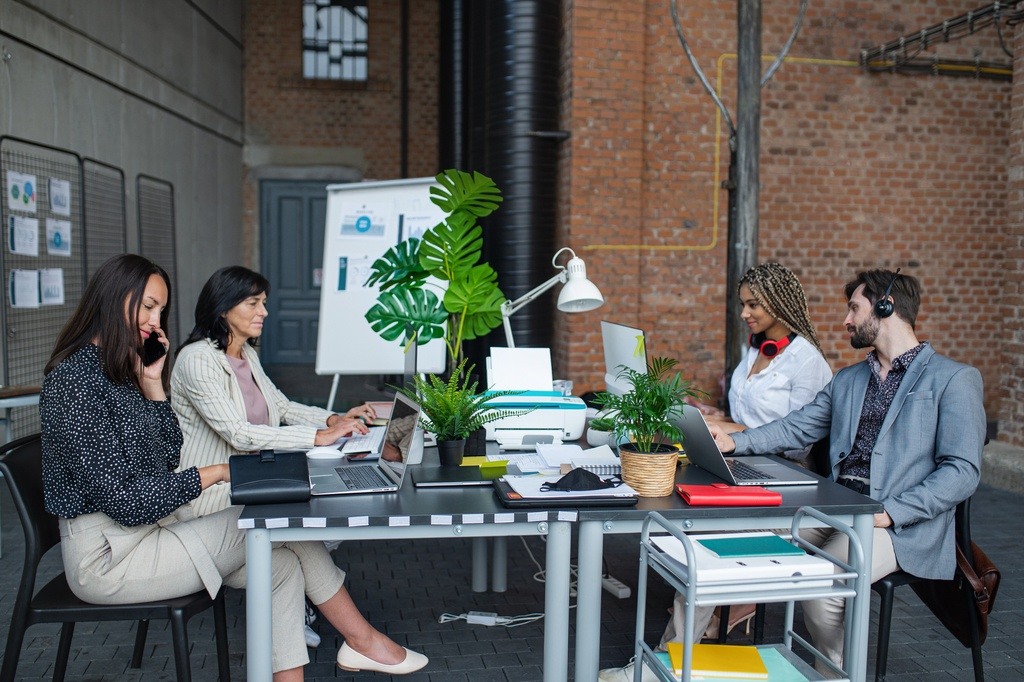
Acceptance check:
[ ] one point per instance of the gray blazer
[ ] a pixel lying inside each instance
(927, 457)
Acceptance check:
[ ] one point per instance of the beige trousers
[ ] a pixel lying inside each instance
(107, 563)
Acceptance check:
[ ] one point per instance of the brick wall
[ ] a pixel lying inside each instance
(360, 121)
(1010, 305)
(858, 170)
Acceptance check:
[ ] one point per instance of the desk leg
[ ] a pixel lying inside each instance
(857, 653)
(588, 600)
(479, 564)
(556, 602)
(258, 612)
(499, 564)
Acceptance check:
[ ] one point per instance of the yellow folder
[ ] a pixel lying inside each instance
(718, 661)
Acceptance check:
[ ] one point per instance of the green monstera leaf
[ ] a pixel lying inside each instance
(408, 314)
(477, 300)
(451, 248)
(398, 267)
(460, 191)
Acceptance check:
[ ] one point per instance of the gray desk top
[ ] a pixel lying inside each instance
(448, 506)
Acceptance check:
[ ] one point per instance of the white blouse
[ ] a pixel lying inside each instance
(790, 381)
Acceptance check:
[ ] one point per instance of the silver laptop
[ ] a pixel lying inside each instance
(702, 450)
(353, 475)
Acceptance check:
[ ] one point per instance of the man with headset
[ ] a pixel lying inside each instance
(906, 428)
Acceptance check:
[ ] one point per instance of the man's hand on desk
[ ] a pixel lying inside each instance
(724, 440)
(883, 520)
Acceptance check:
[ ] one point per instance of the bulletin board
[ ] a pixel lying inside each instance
(42, 260)
(364, 220)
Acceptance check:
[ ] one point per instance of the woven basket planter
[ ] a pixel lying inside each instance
(650, 474)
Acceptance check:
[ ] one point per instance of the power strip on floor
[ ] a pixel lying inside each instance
(615, 588)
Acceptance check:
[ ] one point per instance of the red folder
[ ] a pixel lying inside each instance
(725, 495)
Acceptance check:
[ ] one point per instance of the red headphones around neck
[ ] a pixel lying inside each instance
(768, 347)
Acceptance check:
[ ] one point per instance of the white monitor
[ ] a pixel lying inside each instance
(622, 346)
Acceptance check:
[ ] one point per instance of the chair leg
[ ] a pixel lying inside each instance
(15, 638)
(220, 626)
(759, 614)
(723, 623)
(885, 595)
(140, 643)
(60, 666)
(975, 629)
(179, 635)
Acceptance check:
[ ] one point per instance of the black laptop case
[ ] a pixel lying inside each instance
(269, 478)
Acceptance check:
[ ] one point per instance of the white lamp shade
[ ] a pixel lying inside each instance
(579, 294)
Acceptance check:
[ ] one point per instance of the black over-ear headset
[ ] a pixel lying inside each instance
(883, 306)
(769, 347)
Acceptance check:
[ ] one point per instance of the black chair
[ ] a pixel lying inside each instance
(21, 465)
(886, 587)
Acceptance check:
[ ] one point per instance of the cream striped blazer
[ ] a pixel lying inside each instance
(206, 397)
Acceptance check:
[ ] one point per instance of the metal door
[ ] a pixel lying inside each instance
(292, 245)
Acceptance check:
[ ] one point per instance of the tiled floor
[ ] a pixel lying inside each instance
(405, 588)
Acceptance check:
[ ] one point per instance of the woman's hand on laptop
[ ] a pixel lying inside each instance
(339, 427)
(724, 440)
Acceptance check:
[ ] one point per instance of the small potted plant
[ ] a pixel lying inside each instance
(644, 422)
(452, 409)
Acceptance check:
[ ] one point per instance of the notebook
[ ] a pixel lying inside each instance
(385, 474)
(702, 450)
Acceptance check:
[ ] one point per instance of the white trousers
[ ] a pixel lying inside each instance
(107, 563)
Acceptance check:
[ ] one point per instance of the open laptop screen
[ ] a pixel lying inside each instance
(623, 346)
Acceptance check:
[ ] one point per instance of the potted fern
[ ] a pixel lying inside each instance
(411, 306)
(452, 409)
(644, 422)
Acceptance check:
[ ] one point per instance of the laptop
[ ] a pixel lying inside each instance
(385, 474)
(623, 346)
(702, 450)
(451, 477)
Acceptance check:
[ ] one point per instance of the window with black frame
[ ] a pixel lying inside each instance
(334, 40)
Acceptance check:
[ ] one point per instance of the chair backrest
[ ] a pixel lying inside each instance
(21, 463)
(963, 528)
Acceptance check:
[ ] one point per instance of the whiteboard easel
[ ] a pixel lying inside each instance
(364, 220)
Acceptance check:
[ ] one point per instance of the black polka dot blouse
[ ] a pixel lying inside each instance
(107, 448)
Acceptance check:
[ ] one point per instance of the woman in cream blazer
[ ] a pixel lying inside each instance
(225, 402)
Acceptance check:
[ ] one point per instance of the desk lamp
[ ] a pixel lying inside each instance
(579, 294)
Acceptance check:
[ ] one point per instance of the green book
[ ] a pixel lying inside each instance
(751, 545)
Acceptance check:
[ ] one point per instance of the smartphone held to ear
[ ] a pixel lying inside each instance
(152, 350)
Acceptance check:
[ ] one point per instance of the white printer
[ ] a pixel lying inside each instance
(550, 417)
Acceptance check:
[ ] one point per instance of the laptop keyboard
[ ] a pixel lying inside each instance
(744, 472)
(370, 442)
(362, 477)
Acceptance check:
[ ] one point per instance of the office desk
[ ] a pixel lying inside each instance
(408, 513)
(15, 396)
(835, 500)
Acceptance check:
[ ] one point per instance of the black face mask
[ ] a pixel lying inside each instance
(580, 479)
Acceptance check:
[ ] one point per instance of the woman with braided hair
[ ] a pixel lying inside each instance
(782, 370)
(784, 367)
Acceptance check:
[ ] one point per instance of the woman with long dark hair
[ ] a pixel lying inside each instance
(111, 444)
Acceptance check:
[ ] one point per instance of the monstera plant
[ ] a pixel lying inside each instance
(411, 308)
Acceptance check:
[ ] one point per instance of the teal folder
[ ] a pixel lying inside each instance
(756, 545)
(779, 669)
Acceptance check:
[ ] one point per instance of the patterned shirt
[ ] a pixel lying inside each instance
(877, 401)
(106, 448)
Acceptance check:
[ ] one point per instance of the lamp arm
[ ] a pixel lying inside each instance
(508, 308)
(511, 307)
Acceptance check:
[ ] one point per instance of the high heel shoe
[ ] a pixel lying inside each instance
(738, 613)
(352, 660)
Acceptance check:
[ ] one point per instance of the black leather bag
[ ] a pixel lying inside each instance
(269, 478)
(947, 600)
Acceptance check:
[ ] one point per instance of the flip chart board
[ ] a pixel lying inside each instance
(364, 220)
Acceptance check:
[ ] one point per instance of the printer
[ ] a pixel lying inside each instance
(540, 415)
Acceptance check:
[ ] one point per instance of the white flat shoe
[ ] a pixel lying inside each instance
(352, 660)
